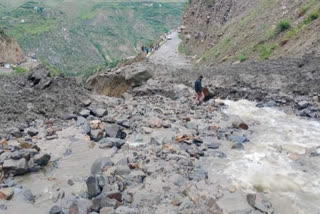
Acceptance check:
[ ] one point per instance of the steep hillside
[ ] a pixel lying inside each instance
(76, 36)
(10, 51)
(229, 30)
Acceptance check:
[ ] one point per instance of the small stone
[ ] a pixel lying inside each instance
(126, 210)
(69, 117)
(106, 210)
(238, 146)
(15, 132)
(238, 139)
(315, 99)
(81, 121)
(213, 146)
(6, 194)
(100, 112)
(15, 167)
(41, 159)
(122, 170)
(85, 113)
(147, 130)
(96, 134)
(27, 195)
(302, 105)
(70, 182)
(3, 207)
(93, 186)
(155, 122)
(32, 132)
(95, 124)
(100, 164)
(55, 210)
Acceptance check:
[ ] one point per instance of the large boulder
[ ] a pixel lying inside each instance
(16, 167)
(138, 77)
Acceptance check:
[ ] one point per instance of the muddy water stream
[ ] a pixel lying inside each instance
(276, 159)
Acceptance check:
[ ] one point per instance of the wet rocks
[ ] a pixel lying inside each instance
(260, 203)
(27, 195)
(15, 167)
(238, 146)
(93, 186)
(302, 105)
(55, 210)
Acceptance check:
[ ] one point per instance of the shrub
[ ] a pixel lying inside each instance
(242, 58)
(20, 70)
(266, 50)
(283, 26)
(312, 16)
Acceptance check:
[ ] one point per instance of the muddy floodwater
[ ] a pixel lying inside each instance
(277, 159)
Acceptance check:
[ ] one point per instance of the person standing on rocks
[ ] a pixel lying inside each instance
(198, 89)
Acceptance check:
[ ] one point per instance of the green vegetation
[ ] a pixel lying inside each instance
(265, 50)
(283, 25)
(307, 7)
(312, 16)
(242, 58)
(20, 70)
(76, 36)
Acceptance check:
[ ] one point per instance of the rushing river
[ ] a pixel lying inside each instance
(276, 160)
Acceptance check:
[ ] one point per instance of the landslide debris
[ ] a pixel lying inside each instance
(37, 96)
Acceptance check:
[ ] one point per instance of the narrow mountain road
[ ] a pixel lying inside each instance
(168, 53)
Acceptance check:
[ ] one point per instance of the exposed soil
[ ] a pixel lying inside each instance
(22, 101)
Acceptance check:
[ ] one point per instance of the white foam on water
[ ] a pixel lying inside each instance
(266, 162)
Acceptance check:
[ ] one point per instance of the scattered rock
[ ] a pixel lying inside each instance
(32, 132)
(55, 210)
(41, 159)
(302, 105)
(100, 112)
(15, 167)
(155, 122)
(127, 210)
(85, 113)
(6, 194)
(27, 195)
(238, 146)
(93, 186)
(100, 164)
(96, 134)
(260, 203)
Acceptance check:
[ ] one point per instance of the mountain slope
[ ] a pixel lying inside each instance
(76, 36)
(229, 30)
(10, 51)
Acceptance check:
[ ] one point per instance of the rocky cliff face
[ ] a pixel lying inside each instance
(10, 51)
(229, 30)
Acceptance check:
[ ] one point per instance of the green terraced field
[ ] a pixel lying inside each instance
(76, 36)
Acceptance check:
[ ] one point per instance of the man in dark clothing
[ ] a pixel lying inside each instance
(198, 89)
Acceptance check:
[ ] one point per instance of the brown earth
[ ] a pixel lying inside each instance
(225, 31)
(10, 51)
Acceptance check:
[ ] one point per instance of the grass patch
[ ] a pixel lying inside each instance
(20, 70)
(242, 58)
(312, 16)
(282, 26)
(265, 50)
(183, 50)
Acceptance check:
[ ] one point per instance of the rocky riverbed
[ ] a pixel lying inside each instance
(151, 150)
